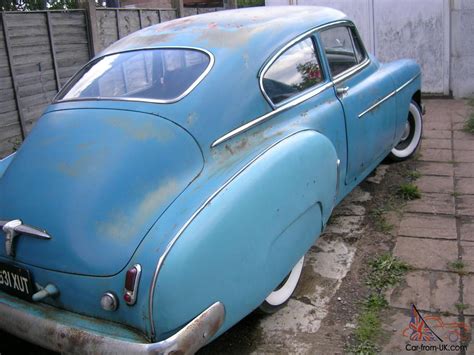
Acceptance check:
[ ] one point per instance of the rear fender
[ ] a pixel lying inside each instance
(250, 235)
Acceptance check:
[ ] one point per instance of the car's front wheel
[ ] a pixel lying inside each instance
(282, 293)
(411, 136)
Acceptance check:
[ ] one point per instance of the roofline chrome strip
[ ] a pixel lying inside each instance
(269, 115)
(155, 101)
(389, 95)
(297, 99)
(173, 241)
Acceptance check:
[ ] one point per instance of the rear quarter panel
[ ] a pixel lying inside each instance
(247, 239)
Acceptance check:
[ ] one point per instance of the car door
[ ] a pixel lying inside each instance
(360, 84)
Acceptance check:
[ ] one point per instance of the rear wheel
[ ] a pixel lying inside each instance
(282, 293)
(411, 136)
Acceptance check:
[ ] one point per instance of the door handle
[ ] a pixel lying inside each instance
(342, 91)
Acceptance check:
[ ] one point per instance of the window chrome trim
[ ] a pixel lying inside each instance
(394, 92)
(351, 71)
(301, 98)
(305, 95)
(156, 101)
(283, 49)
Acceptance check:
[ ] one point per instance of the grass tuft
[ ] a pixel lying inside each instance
(469, 124)
(461, 307)
(413, 175)
(386, 271)
(380, 222)
(457, 266)
(409, 192)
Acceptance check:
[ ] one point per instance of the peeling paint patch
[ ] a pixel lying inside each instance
(143, 131)
(121, 225)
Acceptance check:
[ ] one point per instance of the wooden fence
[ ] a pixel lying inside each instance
(41, 50)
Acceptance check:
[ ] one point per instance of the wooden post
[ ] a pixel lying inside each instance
(232, 4)
(6, 37)
(53, 50)
(91, 16)
(179, 6)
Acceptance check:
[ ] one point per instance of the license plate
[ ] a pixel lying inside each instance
(16, 281)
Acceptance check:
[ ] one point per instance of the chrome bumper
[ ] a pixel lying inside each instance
(68, 332)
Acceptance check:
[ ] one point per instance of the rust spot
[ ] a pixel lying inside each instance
(142, 132)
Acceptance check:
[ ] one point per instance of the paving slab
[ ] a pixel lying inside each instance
(437, 125)
(468, 294)
(437, 134)
(442, 155)
(441, 169)
(437, 184)
(465, 185)
(436, 143)
(464, 156)
(466, 229)
(467, 255)
(465, 205)
(428, 226)
(463, 144)
(429, 291)
(432, 203)
(426, 253)
(463, 135)
(458, 126)
(464, 169)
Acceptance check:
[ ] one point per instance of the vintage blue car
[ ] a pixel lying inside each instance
(176, 182)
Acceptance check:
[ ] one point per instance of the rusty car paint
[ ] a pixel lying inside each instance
(189, 212)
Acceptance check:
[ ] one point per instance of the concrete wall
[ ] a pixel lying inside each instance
(438, 34)
(462, 48)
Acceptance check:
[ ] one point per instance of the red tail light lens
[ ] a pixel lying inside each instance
(132, 280)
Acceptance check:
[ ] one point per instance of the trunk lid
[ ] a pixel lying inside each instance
(96, 180)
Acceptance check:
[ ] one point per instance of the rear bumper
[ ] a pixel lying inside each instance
(68, 332)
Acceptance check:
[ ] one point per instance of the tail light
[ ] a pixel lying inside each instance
(132, 279)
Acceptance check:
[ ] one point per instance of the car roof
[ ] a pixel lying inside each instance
(258, 29)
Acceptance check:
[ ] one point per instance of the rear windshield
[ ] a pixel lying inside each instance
(152, 74)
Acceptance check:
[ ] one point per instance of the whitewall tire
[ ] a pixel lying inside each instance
(411, 136)
(280, 296)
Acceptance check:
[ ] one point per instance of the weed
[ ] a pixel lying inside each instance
(455, 194)
(375, 302)
(413, 175)
(469, 124)
(457, 266)
(386, 271)
(461, 307)
(409, 192)
(470, 102)
(380, 222)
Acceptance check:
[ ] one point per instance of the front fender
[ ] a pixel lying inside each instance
(246, 240)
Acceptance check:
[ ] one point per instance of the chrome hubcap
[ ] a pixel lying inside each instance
(406, 132)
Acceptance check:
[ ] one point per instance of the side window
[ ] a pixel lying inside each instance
(296, 70)
(339, 48)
